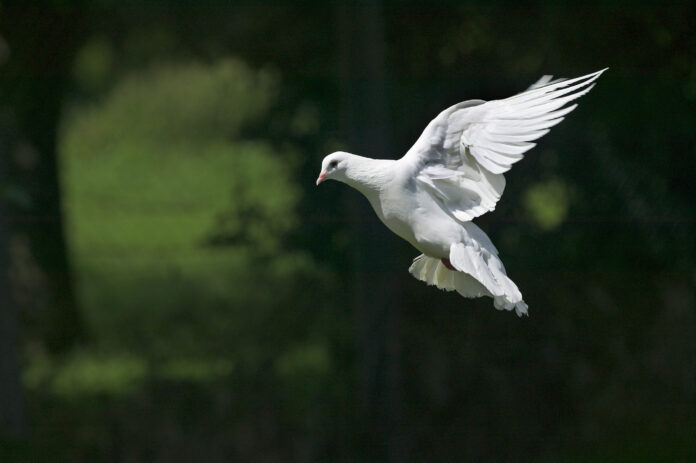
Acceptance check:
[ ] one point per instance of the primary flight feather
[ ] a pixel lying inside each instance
(454, 173)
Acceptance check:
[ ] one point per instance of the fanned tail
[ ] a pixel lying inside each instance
(479, 271)
(433, 272)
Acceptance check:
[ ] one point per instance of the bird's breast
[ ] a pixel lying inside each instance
(395, 211)
(423, 223)
(412, 215)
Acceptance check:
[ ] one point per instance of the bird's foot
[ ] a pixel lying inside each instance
(448, 264)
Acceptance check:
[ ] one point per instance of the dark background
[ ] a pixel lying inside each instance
(175, 288)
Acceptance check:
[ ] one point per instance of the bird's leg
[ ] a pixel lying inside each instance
(448, 264)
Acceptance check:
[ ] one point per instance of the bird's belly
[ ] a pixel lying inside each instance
(399, 224)
(429, 234)
(434, 238)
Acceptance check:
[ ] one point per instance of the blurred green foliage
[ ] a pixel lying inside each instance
(86, 374)
(155, 175)
(94, 64)
(548, 203)
(172, 104)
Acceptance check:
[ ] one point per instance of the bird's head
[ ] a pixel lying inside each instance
(334, 167)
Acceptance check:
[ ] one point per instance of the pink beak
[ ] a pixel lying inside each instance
(321, 178)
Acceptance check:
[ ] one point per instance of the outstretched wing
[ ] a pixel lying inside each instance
(464, 151)
(544, 80)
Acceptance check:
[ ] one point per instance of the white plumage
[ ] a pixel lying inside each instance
(454, 173)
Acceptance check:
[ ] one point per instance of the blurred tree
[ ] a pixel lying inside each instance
(41, 39)
(12, 416)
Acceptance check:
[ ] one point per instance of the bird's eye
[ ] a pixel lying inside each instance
(333, 164)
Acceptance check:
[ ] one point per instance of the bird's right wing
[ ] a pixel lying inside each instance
(543, 81)
(461, 156)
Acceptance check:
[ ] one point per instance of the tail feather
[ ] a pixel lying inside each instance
(433, 272)
(489, 278)
(477, 256)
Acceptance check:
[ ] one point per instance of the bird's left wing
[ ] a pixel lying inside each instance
(464, 151)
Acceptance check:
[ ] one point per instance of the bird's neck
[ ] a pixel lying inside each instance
(369, 176)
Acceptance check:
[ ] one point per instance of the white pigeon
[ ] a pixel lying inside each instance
(453, 174)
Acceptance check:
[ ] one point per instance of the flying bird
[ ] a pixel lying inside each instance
(453, 174)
